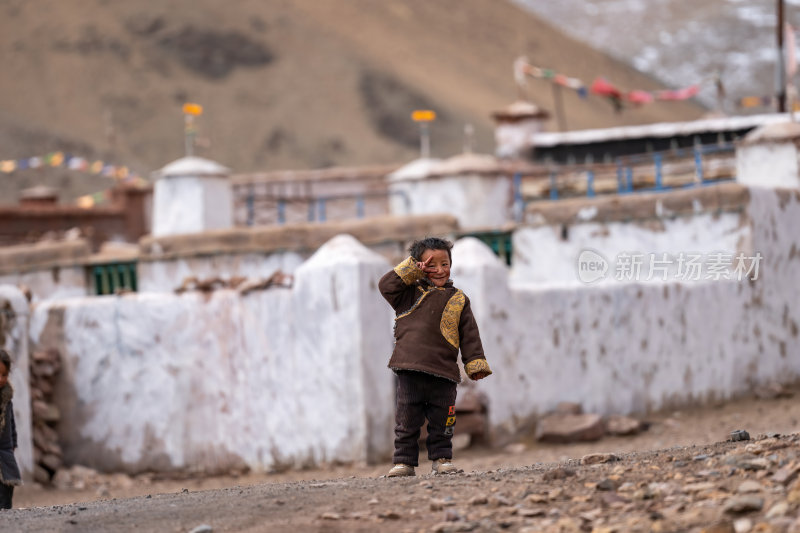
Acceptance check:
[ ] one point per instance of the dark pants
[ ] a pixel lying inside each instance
(422, 396)
(6, 492)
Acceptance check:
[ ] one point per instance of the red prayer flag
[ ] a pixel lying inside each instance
(640, 97)
(604, 88)
(680, 94)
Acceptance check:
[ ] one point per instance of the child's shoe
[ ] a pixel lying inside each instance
(401, 470)
(444, 466)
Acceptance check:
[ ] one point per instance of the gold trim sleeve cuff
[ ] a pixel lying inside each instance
(477, 365)
(409, 272)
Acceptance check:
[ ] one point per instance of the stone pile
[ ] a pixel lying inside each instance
(47, 456)
(80, 477)
(568, 423)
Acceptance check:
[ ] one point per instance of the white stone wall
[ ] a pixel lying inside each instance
(217, 381)
(13, 302)
(633, 347)
(51, 283)
(542, 257)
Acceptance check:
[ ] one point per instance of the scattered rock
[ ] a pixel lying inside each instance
(779, 509)
(499, 500)
(537, 498)
(723, 526)
(742, 525)
(527, 512)
(607, 484)
(461, 441)
(786, 474)
(766, 445)
(561, 472)
(693, 488)
(437, 504)
(738, 435)
(515, 448)
(478, 500)
(203, 528)
(748, 486)
(598, 458)
(451, 515)
(389, 515)
(570, 428)
(743, 504)
(623, 425)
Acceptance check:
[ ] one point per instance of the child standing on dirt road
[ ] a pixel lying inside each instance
(433, 321)
(9, 472)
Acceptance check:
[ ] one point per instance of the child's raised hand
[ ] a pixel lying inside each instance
(424, 265)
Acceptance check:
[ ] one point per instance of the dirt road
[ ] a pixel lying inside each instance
(693, 481)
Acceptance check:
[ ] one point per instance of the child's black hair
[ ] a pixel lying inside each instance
(5, 358)
(417, 248)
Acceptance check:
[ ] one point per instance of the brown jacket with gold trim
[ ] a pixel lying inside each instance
(431, 325)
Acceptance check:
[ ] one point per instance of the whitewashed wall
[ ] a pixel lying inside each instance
(542, 257)
(631, 347)
(51, 283)
(16, 343)
(213, 382)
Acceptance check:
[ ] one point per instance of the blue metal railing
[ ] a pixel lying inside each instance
(625, 166)
(317, 210)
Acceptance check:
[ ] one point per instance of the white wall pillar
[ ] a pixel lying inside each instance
(484, 279)
(192, 195)
(768, 157)
(471, 187)
(344, 340)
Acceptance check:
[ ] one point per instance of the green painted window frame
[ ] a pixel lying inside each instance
(109, 278)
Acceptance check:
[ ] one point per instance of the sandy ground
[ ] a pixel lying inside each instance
(357, 497)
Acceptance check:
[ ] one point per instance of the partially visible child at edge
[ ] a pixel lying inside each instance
(9, 472)
(433, 320)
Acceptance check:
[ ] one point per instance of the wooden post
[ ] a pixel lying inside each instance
(559, 106)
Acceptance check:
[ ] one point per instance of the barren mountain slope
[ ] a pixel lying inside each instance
(285, 84)
(682, 41)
